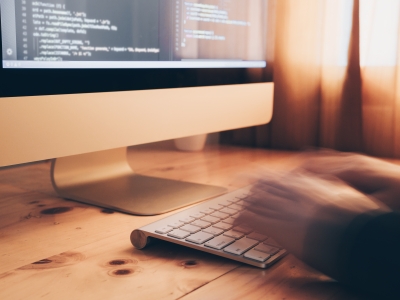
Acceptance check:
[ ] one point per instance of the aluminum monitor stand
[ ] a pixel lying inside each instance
(105, 179)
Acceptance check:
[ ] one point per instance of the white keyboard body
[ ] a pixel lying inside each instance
(209, 227)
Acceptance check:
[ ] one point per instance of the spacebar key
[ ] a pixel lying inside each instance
(240, 246)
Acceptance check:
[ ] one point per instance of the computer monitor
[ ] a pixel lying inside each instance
(83, 79)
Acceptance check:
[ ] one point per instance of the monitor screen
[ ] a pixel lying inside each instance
(86, 46)
(128, 34)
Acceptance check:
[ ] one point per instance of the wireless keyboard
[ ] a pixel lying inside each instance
(209, 226)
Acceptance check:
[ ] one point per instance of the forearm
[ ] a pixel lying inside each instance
(327, 244)
(365, 255)
(371, 256)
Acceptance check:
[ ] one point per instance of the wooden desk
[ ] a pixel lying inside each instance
(57, 249)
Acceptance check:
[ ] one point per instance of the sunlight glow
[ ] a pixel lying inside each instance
(379, 31)
(337, 30)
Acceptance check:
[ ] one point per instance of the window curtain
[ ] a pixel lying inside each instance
(336, 68)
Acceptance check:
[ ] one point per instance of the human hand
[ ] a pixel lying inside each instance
(300, 207)
(369, 175)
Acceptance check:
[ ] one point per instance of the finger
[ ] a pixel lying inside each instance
(308, 189)
(328, 163)
(274, 212)
(363, 173)
(386, 198)
(259, 223)
(312, 153)
(364, 181)
(268, 200)
(264, 189)
(260, 173)
(285, 185)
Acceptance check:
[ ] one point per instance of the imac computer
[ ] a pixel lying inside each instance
(80, 80)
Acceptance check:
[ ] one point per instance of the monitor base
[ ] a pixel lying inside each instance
(105, 179)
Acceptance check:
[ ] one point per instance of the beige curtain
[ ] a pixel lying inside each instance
(336, 68)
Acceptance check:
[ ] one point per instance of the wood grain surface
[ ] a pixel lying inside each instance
(52, 248)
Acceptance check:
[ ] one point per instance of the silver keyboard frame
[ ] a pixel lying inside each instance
(141, 237)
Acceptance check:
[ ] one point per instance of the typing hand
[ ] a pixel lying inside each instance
(369, 175)
(290, 207)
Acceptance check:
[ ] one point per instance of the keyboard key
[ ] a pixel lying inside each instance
(272, 242)
(164, 230)
(257, 255)
(210, 219)
(223, 226)
(179, 234)
(235, 216)
(236, 206)
(187, 219)
(197, 215)
(234, 200)
(240, 246)
(228, 211)
(219, 242)
(235, 234)
(248, 199)
(190, 228)
(224, 202)
(257, 236)
(200, 237)
(215, 206)
(267, 249)
(201, 224)
(176, 224)
(219, 214)
(242, 195)
(243, 228)
(229, 221)
(207, 211)
(213, 230)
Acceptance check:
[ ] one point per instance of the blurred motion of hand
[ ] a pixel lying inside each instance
(291, 206)
(369, 175)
